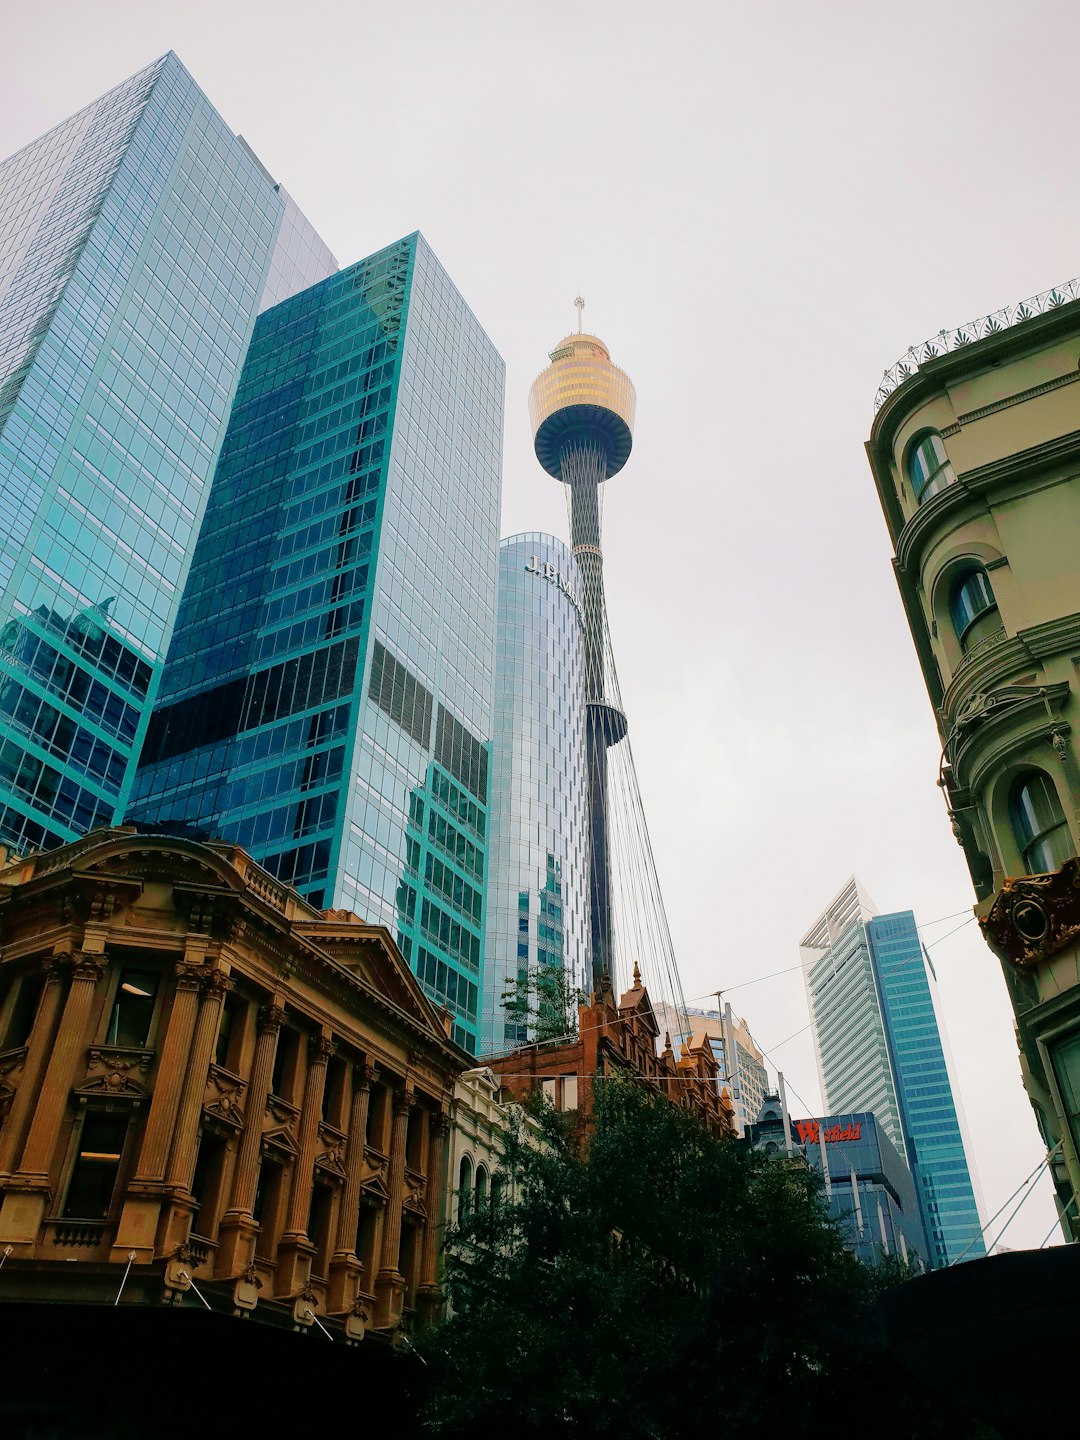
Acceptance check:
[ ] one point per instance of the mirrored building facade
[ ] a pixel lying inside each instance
(537, 915)
(879, 1044)
(327, 700)
(138, 241)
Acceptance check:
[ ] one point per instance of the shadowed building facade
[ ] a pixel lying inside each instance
(138, 241)
(327, 697)
(975, 451)
(207, 1081)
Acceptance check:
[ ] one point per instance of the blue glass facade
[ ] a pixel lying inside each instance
(537, 897)
(879, 1048)
(327, 697)
(137, 242)
(935, 1145)
(869, 1192)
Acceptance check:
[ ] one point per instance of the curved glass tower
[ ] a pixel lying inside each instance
(537, 898)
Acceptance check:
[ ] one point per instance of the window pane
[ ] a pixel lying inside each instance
(133, 1008)
(94, 1176)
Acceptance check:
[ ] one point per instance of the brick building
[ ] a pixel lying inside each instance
(619, 1036)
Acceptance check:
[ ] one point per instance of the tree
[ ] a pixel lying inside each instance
(543, 1003)
(655, 1284)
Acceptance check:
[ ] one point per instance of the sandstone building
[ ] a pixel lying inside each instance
(975, 451)
(206, 1085)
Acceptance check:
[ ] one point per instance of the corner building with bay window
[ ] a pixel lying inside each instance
(327, 700)
(975, 451)
(139, 239)
(537, 901)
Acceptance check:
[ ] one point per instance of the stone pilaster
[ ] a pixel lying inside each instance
(345, 1267)
(236, 1247)
(181, 1167)
(430, 1292)
(296, 1249)
(390, 1283)
(29, 1189)
(37, 1057)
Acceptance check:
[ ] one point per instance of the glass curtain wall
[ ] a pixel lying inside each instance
(327, 699)
(538, 886)
(137, 241)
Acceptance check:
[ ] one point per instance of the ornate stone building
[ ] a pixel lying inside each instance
(206, 1085)
(613, 1036)
(976, 455)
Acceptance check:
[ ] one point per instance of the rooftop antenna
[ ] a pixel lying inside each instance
(579, 301)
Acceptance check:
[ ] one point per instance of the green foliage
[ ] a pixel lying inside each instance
(658, 1285)
(544, 1003)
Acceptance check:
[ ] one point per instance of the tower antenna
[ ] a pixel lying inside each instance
(579, 301)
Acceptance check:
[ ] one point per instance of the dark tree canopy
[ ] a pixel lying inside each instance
(659, 1284)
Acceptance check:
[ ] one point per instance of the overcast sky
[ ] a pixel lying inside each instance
(764, 205)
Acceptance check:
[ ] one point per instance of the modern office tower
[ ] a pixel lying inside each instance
(327, 697)
(538, 851)
(582, 412)
(868, 1186)
(742, 1064)
(975, 451)
(138, 241)
(879, 1047)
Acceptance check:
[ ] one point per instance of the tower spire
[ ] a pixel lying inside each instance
(579, 301)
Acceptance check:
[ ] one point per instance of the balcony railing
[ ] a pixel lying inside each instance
(947, 340)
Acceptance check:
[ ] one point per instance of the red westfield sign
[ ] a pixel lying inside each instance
(810, 1132)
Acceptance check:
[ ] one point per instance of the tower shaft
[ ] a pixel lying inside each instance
(583, 467)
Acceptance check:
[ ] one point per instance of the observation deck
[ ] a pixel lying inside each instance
(582, 398)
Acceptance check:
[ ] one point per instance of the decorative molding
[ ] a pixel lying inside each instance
(1069, 378)
(1035, 916)
(986, 327)
(115, 1072)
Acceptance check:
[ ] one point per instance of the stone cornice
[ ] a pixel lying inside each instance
(934, 376)
(1026, 470)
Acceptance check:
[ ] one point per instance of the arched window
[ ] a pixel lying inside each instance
(972, 606)
(481, 1185)
(928, 466)
(1038, 823)
(465, 1173)
(496, 1189)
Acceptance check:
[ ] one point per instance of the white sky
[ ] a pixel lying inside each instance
(764, 205)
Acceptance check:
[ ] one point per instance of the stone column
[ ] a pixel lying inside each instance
(29, 1189)
(430, 1292)
(296, 1249)
(237, 1230)
(345, 1268)
(138, 1227)
(37, 1055)
(169, 1078)
(390, 1284)
(181, 1167)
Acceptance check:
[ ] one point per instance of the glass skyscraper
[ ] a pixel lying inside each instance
(138, 241)
(879, 1047)
(327, 701)
(537, 898)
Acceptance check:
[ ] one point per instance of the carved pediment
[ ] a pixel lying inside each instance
(222, 1096)
(280, 1143)
(116, 1072)
(332, 1155)
(369, 954)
